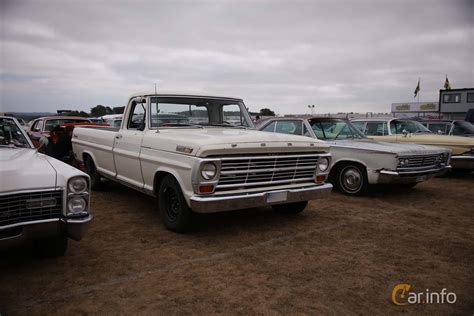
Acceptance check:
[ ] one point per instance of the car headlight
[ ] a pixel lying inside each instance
(323, 164)
(76, 205)
(77, 185)
(208, 171)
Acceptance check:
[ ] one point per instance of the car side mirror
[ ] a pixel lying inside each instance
(405, 133)
(440, 132)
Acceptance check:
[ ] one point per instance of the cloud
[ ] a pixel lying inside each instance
(278, 54)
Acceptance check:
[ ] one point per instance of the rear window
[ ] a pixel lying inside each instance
(50, 124)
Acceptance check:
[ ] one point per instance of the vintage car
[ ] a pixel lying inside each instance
(358, 161)
(205, 163)
(41, 127)
(41, 198)
(408, 131)
(450, 127)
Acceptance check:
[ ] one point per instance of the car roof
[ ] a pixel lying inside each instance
(62, 118)
(178, 95)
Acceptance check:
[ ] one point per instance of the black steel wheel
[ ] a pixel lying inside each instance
(176, 214)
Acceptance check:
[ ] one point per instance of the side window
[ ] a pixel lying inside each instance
(39, 126)
(359, 125)
(137, 118)
(376, 129)
(290, 127)
(318, 130)
(270, 127)
(231, 114)
(305, 131)
(436, 127)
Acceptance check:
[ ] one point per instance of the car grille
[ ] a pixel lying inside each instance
(26, 207)
(429, 161)
(266, 170)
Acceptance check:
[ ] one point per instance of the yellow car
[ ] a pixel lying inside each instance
(408, 131)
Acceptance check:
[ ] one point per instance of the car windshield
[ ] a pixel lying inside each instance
(197, 112)
(335, 130)
(50, 124)
(463, 128)
(11, 134)
(414, 127)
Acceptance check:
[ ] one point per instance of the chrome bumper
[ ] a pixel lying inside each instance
(73, 228)
(462, 162)
(389, 177)
(214, 204)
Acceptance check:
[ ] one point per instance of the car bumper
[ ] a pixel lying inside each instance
(462, 162)
(73, 228)
(214, 204)
(399, 177)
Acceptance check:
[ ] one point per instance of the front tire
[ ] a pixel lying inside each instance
(290, 208)
(51, 247)
(175, 213)
(352, 179)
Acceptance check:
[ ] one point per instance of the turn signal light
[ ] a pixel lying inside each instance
(320, 178)
(206, 188)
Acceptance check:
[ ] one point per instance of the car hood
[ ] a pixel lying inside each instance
(395, 148)
(440, 140)
(25, 169)
(210, 141)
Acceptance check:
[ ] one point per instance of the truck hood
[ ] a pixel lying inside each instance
(401, 149)
(25, 169)
(210, 141)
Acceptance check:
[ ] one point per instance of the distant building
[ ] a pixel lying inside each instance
(454, 103)
(419, 109)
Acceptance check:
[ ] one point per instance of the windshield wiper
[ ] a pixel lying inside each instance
(227, 125)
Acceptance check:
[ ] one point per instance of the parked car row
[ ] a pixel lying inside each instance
(203, 154)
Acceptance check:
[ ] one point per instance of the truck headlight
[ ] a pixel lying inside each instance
(323, 164)
(76, 205)
(77, 185)
(208, 171)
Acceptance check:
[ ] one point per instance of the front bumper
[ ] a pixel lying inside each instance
(463, 162)
(214, 204)
(73, 228)
(400, 177)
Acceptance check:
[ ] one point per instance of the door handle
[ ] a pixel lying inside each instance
(118, 136)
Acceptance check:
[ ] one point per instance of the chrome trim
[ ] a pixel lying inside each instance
(81, 220)
(220, 186)
(213, 204)
(319, 154)
(30, 191)
(420, 172)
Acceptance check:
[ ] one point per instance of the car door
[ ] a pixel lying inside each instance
(127, 145)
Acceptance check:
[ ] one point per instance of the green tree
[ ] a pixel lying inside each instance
(118, 109)
(267, 112)
(98, 110)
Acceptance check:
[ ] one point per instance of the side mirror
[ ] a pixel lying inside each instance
(440, 132)
(405, 133)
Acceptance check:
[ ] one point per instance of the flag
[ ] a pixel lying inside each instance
(447, 85)
(417, 89)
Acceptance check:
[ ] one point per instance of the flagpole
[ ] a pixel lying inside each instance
(418, 94)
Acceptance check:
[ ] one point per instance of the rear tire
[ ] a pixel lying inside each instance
(351, 179)
(96, 180)
(174, 211)
(290, 208)
(51, 247)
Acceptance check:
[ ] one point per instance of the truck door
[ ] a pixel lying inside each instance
(127, 145)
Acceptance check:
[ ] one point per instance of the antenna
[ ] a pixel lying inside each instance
(155, 88)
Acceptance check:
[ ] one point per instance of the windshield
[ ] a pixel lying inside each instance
(197, 112)
(463, 128)
(11, 134)
(50, 124)
(332, 130)
(414, 127)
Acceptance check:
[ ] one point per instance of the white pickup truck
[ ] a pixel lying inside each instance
(202, 154)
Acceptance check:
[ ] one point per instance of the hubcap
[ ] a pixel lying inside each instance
(172, 204)
(351, 179)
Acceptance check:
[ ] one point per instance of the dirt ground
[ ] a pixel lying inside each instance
(343, 255)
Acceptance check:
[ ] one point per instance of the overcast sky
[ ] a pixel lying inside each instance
(338, 55)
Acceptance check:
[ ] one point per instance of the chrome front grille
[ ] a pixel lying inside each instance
(26, 207)
(263, 171)
(422, 162)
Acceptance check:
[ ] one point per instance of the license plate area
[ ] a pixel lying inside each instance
(274, 197)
